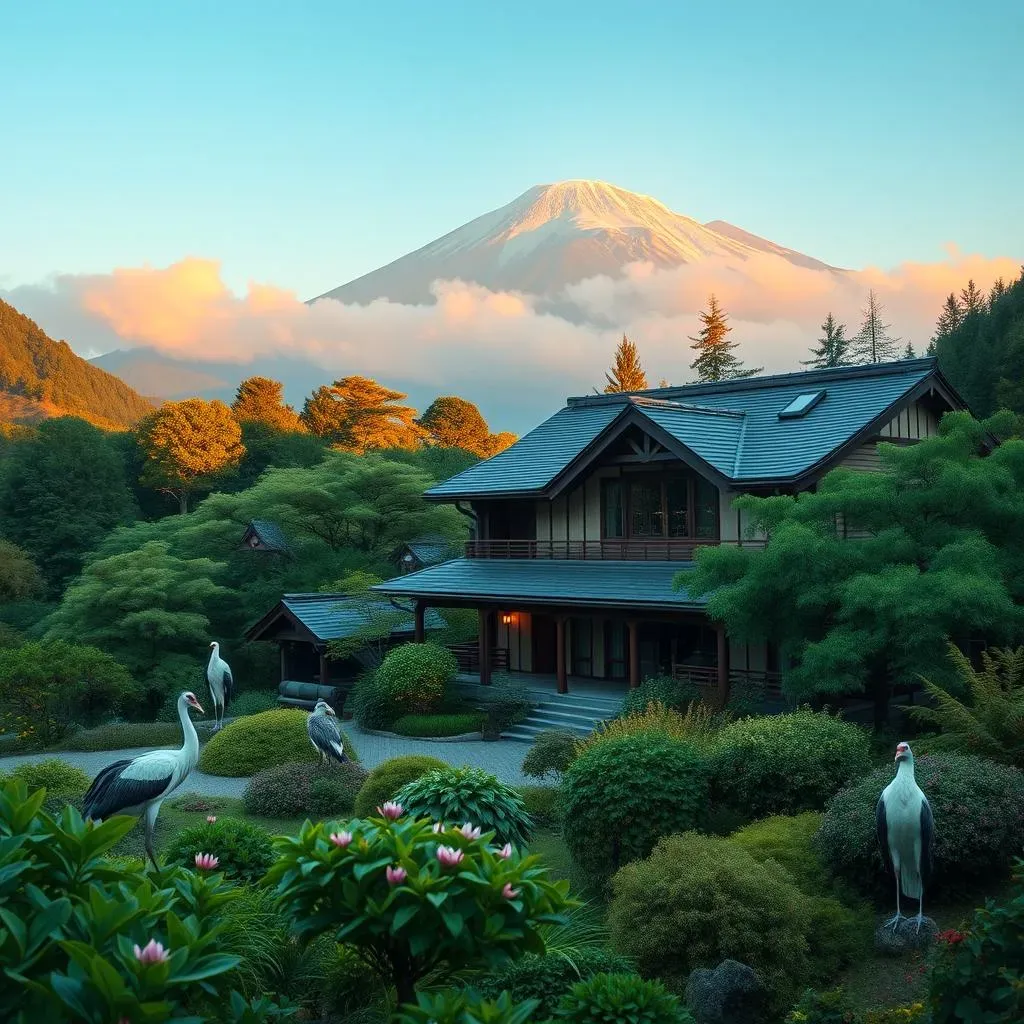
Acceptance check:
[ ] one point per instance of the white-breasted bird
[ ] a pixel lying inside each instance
(140, 784)
(324, 734)
(221, 683)
(906, 833)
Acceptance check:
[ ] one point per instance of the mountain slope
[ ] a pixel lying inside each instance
(555, 235)
(40, 377)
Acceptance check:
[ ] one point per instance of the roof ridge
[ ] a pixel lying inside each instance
(662, 403)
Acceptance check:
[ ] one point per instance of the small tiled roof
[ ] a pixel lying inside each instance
(544, 581)
(269, 534)
(732, 426)
(333, 616)
(431, 549)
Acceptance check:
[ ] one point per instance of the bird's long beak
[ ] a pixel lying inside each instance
(331, 711)
(199, 707)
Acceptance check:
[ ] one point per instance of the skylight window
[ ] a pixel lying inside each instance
(801, 405)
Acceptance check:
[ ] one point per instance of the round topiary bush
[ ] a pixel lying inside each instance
(788, 840)
(698, 900)
(551, 753)
(622, 795)
(255, 742)
(389, 777)
(415, 677)
(459, 795)
(625, 998)
(322, 791)
(57, 777)
(783, 764)
(244, 851)
(978, 807)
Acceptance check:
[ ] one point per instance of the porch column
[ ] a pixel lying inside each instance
(484, 619)
(560, 675)
(418, 630)
(325, 675)
(633, 644)
(723, 666)
(284, 660)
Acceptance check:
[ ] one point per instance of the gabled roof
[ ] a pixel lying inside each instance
(731, 430)
(508, 582)
(333, 616)
(268, 533)
(430, 549)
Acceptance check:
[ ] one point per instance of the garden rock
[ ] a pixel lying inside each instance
(905, 937)
(732, 993)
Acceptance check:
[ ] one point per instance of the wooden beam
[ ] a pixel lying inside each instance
(633, 644)
(560, 672)
(284, 661)
(325, 672)
(484, 619)
(723, 666)
(418, 631)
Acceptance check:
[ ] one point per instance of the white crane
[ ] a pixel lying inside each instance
(324, 734)
(906, 831)
(221, 683)
(140, 784)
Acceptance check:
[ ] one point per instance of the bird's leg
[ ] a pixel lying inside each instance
(920, 910)
(894, 921)
(149, 839)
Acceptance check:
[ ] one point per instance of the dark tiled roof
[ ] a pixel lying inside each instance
(543, 581)
(269, 534)
(431, 549)
(331, 616)
(734, 426)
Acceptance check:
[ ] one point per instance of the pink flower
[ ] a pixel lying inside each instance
(341, 839)
(508, 892)
(448, 856)
(391, 811)
(396, 875)
(151, 953)
(469, 832)
(438, 827)
(506, 851)
(206, 861)
(211, 818)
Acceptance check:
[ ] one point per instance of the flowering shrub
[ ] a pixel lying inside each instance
(468, 794)
(455, 1007)
(622, 795)
(698, 900)
(415, 897)
(696, 725)
(298, 788)
(414, 677)
(621, 999)
(243, 850)
(551, 753)
(384, 782)
(783, 764)
(978, 807)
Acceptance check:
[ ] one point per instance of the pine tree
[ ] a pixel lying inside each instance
(971, 299)
(951, 317)
(356, 414)
(261, 400)
(873, 343)
(626, 374)
(998, 290)
(715, 360)
(908, 352)
(832, 348)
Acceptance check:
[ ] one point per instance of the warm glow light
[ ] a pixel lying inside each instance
(507, 618)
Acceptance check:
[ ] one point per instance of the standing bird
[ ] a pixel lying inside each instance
(324, 734)
(906, 832)
(142, 783)
(218, 677)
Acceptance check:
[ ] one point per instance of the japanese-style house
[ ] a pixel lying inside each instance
(580, 527)
(267, 536)
(432, 549)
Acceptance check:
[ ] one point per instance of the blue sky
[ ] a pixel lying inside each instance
(307, 143)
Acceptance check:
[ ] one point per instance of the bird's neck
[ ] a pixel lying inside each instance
(213, 655)
(905, 774)
(190, 744)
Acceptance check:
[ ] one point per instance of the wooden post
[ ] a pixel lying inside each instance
(284, 660)
(419, 628)
(485, 647)
(325, 675)
(723, 666)
(560, 675)
(634, 653)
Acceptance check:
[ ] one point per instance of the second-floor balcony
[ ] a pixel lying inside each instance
(651, 549)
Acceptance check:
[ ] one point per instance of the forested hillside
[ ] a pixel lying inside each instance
(40, 378)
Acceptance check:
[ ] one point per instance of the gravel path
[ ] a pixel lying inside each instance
(503, 759)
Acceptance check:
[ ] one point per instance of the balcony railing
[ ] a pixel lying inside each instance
(467, 657)
(768, 683)
(665, 549)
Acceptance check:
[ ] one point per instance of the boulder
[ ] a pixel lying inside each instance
(905, 937)
(730, 994)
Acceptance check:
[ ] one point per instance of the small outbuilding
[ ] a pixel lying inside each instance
(431, 549)
(264, 535)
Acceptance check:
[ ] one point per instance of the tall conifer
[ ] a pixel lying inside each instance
(715, 360)
(873, 343)
(626, 373)
(832, 348)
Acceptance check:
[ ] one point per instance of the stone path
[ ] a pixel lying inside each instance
(503, 759)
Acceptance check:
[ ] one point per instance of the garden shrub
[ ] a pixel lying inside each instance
(389, 777)
(455, 796)
(289, 790)
(670, 693)
(450, 724)
(978, 807)
(621, 999)
(125, 736)
(548, 977)
(57, 777)
(543, 804)
(551, 753)
(244, 850)
(698, 900)
(782, 764)
(696, 726)
(456, 1006)
(622, 795)
(788, 840)
(370, 706)
(350, 984)
(250, 744)
(831, 1007)
(415, 677)
(253, 702)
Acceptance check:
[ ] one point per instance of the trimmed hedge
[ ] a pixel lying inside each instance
(250, 744)
(415, 677)
(384, 782)
(451, 724)
(287, 790)
(125, 736)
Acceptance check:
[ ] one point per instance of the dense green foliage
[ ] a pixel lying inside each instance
(467, 1006)
(543, 804)
(384, 782)
(415, 677)
(551, 753)
(243, 850)
(457, 796)
(57, 777)
(321, 791)
(453, 723)
(940, 558)
(124, 736)
(978, 807)
(786, 763)
(19, 576)
(789, 841)
(452, 422)
(256, 742)
(621, 999)
(697, 900)
(623, 795)
(671, 693)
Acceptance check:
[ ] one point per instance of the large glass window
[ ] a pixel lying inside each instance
(611, 499)
(705, 497)
(646, 517)
(675, 505)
